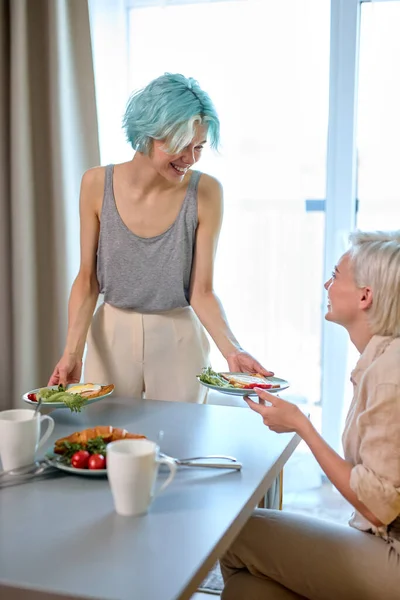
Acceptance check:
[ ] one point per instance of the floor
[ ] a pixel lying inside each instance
(306, 492)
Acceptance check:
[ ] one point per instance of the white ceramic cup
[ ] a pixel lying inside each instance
(20, 436)
(132, 467)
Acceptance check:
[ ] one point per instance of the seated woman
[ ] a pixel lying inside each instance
(281, 555)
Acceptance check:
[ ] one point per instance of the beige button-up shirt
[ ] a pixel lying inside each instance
(371, 438)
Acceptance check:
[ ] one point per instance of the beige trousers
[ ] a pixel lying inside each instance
(282, 556)
(156, 356)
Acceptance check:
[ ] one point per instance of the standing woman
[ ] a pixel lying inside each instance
(149, 233)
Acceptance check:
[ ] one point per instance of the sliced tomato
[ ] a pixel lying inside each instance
(32, 397)
(263, 386)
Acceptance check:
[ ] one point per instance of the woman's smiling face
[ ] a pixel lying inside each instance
(175, 166)
(344, 297)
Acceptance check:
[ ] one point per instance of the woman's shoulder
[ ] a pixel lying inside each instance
(92, 189)
(210, 191)
(210, 201)
(208, 183)
(94, 177)
(385, 369)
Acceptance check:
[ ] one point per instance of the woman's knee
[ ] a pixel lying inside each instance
(241, 586)
(244, 586)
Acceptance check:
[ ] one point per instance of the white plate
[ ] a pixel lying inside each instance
(60, 404)
(55, 460)
(283, 385)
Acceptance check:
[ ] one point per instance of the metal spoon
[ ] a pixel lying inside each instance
(22, 470)
(35, 412)
(42, 469)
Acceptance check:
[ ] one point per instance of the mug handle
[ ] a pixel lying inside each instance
(172, 471)
(49, 430)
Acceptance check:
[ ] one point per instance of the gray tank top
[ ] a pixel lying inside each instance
(146, 274)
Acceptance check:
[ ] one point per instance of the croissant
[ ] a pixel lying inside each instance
(107, 432)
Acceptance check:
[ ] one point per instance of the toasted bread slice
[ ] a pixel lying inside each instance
(105, 389)
(242, 380)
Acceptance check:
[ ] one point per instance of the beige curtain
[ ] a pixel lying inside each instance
(48, 138)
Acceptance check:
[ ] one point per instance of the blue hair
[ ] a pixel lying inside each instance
(169, 108)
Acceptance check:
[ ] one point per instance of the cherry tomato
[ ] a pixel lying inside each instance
(32, 397)
(97, 461)
(80, 459)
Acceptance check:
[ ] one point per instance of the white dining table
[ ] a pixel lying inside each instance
(60, 537)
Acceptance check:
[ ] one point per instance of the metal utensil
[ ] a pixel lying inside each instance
(35, 412)
(42, 470)
(236, 466)
(207, 457)
(231, 463)
(21, 470)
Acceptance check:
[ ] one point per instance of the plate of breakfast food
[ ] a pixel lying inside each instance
(85, 452)
(240, 384)
(73, 396)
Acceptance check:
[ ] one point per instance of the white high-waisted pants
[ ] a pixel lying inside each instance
(156, 356)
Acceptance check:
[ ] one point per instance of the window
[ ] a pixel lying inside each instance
(378, 140)
(378, 129)
(284, 75)
(271, 91)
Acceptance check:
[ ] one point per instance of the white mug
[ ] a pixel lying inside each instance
(20, 436)
(132, 467)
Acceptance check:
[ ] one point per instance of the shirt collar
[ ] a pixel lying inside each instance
(375, 347)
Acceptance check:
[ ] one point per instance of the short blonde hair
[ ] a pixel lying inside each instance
(375, 258)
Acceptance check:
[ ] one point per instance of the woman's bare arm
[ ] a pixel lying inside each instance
(282, 416)
(85, 289)
(203, 299)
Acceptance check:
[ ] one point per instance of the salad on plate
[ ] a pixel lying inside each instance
(240, 384)
(73, 396)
